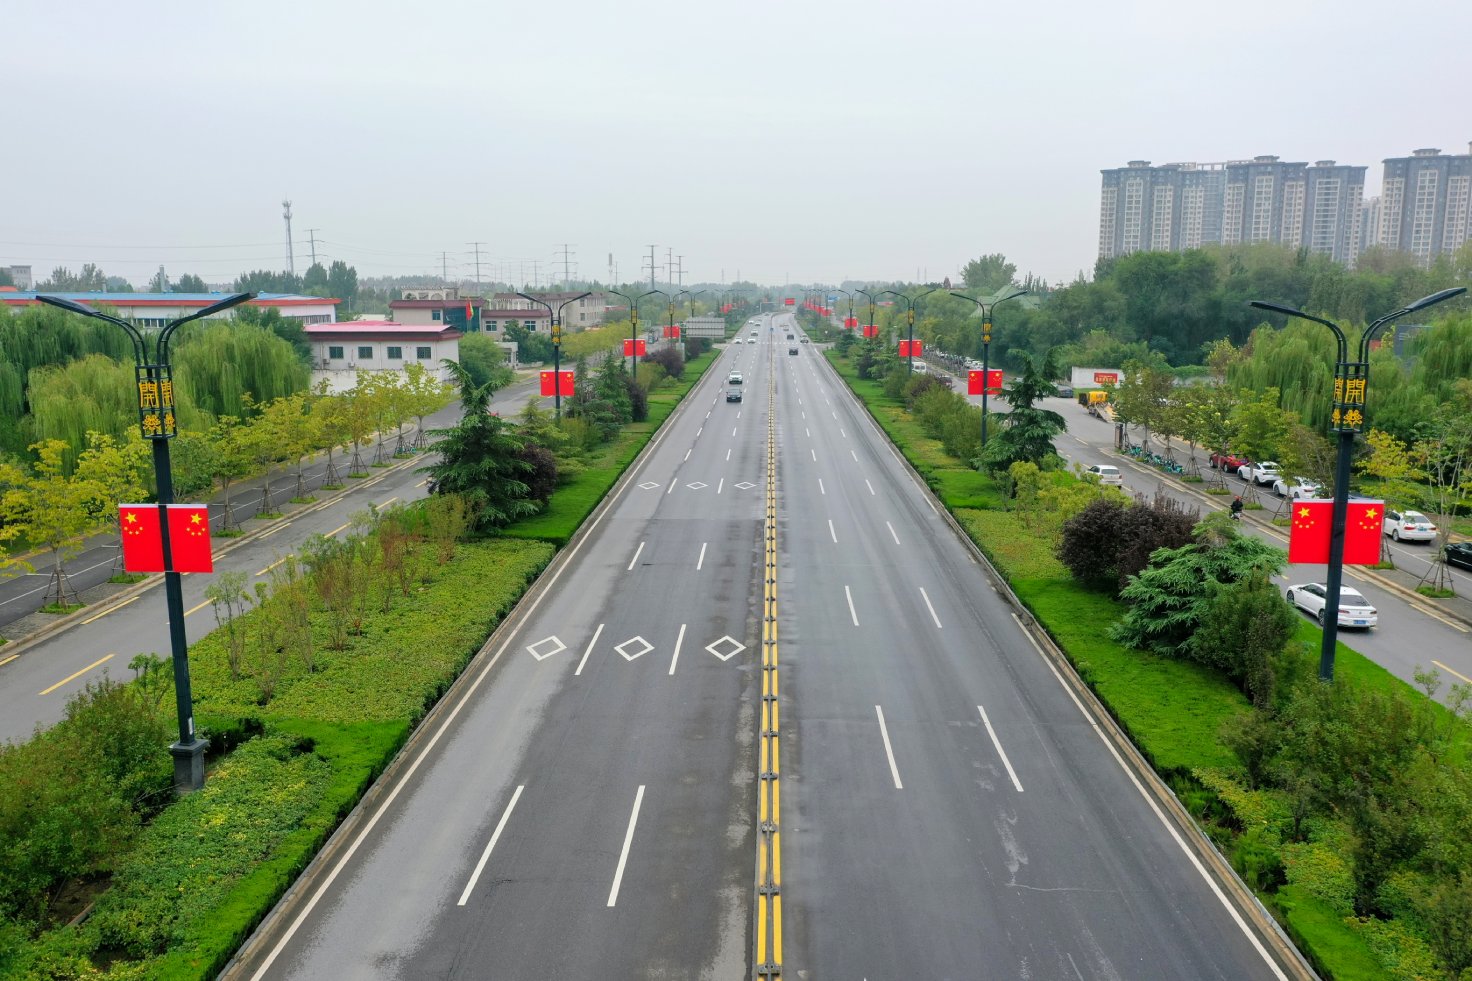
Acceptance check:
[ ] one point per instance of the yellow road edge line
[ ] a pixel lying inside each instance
(196, 609)
(78, 674)
(1437, 663)
(99, 616)
(273, 565)
(6, 660)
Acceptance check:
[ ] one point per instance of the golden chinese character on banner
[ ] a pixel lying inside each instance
(166, 393)
(1354, 391)
(168, 423)
(1339, 389)
(1353, 419)
(1334, 417)
(152, 425)
(147, 395)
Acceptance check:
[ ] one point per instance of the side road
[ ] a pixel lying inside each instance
(23, 625)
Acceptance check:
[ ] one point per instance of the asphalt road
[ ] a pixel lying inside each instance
(587, 806)
(35, 683)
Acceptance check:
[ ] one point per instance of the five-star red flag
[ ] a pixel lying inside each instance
(143, 543)
(672, 331)
(1308, 536)
(910, 348)
(849, 323)
(991, 379)
(554, 380)
(189, 538)
(871, 330)
(634, 347)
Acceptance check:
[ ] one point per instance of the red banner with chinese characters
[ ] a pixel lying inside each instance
(554, 380)
(1308, 536)
(634, 348)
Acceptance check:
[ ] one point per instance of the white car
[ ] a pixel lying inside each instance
(1408, 526)
(921, 368)
(1259, 473)
(735, 378)
(735, 340)
(1354, 609)
(1299, 488)
(1107, 474)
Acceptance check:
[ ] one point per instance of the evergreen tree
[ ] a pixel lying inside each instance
(1027, 431)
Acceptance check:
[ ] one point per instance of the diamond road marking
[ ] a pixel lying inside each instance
(697, 486)
(648, 485)
(629, 657)
(737, 647)
(744, 485)
(541, 655)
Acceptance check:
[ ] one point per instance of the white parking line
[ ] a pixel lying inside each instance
(894, 770)
(680, 639)
(892, 533)
(701, 561)
(1000, 752)
(495, 837)
(637, 551)
(833, 534)
(623, 857)
(926, 597)
(589, 650)
(854, 616)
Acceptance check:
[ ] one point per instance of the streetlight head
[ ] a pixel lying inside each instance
(65, 304)
(225, 304)
(1435, 298)
(1278, 308)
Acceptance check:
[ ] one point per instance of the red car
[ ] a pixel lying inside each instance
(1228, 461)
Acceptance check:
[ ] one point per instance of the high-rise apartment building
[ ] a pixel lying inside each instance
(1426, 203)
(1180, 206)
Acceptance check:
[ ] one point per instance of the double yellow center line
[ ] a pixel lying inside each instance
(769, 784)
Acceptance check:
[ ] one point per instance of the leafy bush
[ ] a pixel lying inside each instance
(1110, 540)
(671, 360)
(541, 475)
(1244, 633)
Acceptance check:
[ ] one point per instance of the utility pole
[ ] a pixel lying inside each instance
(681, 283)
(651, 267)
(445, 268)
(669, 263)
(312, 237)
(290, 254)
(536, 273)
(566, 264)
(477, 246)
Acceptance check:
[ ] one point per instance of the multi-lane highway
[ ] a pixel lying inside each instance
(585, 803)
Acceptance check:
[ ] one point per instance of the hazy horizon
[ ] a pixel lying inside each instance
(790, 142)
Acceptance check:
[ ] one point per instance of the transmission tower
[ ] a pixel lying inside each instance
(651, 266)
(566, 264)
(290, 253)
(312, 237)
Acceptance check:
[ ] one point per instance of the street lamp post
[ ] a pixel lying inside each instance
(1351, 379)
(871, 304)
(156, 419)
(850, 296)
(910, 318)
(986, 343)
(556, 346)
(633, 302)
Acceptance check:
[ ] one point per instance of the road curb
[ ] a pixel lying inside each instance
(1286, 954)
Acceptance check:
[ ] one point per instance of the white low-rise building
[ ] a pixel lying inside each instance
(158, 309)
(341, 350)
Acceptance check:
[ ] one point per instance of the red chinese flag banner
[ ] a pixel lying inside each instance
(849, 323)
(917, 347)
(143, 543)
(672, 332)
(189, 538)
(904, 349)
(1364, 523)
(973, 382)
(565, 383)
(790, 301)
(871, 330)
(634, 347)
(549, 385)
(1308, 537)
(994, 381)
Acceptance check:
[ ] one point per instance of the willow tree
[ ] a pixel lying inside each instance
(1298, 361)
(53, 510)
(118, 469)
(42, 336)
(92, 394)
(217, 364)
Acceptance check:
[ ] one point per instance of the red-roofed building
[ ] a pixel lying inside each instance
(341, 350)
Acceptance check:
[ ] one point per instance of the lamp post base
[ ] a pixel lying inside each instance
(188, 765)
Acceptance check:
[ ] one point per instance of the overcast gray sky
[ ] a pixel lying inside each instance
(814, 141)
